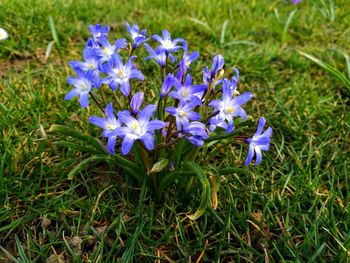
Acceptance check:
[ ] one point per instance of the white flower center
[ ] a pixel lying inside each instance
(121, 74)
(184, 93)
(108, 51)
(183, 113)
(168, 44)
(229, 110)
(111, 126)
(136, 128)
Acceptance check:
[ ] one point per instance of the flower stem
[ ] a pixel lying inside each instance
(97, 103)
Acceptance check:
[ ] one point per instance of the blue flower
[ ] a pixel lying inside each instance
(91, 62)
(168, 83)
(83, 84)
(109, 124)
(137, 37)
(98, 31)
(159, 55)
(136, 102)
(106, 51)
(187, 59)
(120, 74)
(209, 75)
(183, 113)
(138, 129)
(196, 133)
(187, 92)
(228, 108)
(166, 43)
(259, 142)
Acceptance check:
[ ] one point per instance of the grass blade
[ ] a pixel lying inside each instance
(332, 70)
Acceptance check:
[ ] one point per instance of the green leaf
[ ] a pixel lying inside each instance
(77, 135)
(332, 70)
(205, 199)
(22, 254)
(53, 31)
(86, 164)
(123, 163)
(159, 166)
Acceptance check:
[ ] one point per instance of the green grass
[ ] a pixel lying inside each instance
(294, 207)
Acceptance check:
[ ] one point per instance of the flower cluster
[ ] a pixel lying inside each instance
(181, 109)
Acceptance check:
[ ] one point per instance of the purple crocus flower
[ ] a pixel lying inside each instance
(98, 31)
(138, 129)
(183, 113)
(228, 108)
(186, 92)
(82, 84)
(259, 142)
(184, 64)
(109, 125)
(209, 75)
(137, 37)
(106, 51)
(166, 43)
(196, 133)
(136, 102)
(120, 74)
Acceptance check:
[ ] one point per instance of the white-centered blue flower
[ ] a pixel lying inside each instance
(184, 113)
(228, 108)
(83, 85)
(138, 129)
(120, 74)
(259, 142)
(109, 126)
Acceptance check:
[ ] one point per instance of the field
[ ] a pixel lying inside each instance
(294, 207)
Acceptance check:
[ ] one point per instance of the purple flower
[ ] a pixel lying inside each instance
(91, 62)
(120, 74)
(98, 31)
(184, 64)
(106, 51)
(186, 92)
(196, 133)
(109, 125)
(228, 108)
(294, 2)
(166, 43)
(167, 85)
(234, 82)
(159, 55)
(137, 37)
(136, 102)
(138, 129)
(209, 75)
(259, 142)
(183, 113)
(82, 84)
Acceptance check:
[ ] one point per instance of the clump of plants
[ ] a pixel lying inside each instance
(154, 132)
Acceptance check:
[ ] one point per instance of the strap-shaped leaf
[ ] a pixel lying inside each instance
(123, 163)
(77, 135)
(205, 199)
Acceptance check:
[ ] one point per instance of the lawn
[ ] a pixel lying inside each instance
(294, 207)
